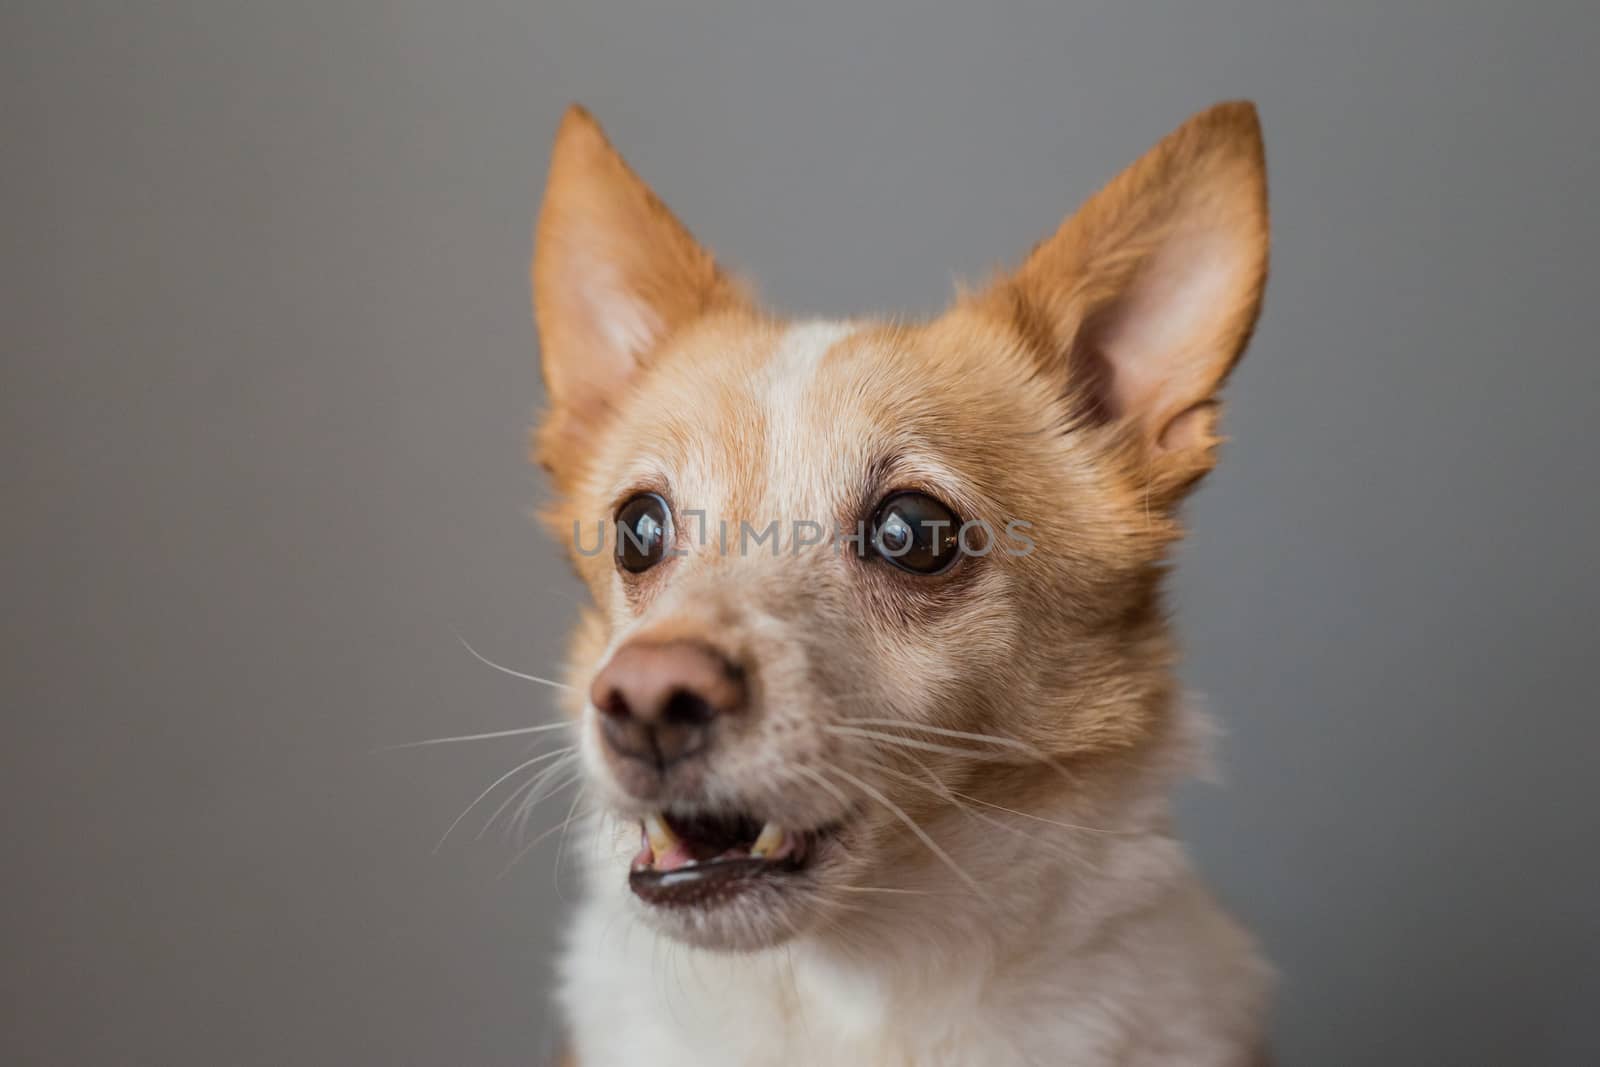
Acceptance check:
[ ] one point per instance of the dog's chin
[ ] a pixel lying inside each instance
(730, 883)
(759, 917)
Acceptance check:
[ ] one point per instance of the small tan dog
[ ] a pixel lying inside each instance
(876, 698)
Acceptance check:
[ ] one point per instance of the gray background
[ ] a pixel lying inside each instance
(268, 371)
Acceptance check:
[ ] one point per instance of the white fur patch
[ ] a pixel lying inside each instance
(790, 376)
(794, 364)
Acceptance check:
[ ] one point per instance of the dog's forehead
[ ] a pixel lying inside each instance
(815, 430)
(761, 420)
(771, 423)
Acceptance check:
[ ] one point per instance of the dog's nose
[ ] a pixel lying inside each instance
(657, 700)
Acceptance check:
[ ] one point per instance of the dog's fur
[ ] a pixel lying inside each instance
(1040, 912)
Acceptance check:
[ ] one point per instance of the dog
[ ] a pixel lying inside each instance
(874, 705)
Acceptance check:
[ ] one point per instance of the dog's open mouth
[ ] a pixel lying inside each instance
(706, 860)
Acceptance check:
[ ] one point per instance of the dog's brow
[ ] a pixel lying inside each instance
(922, 473)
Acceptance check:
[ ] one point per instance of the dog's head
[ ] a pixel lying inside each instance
(852, 578)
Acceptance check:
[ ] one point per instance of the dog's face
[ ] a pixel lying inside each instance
(853, 578)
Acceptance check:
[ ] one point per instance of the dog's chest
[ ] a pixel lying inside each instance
(632, 997)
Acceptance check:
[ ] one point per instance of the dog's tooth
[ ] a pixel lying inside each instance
(770, 841)
(662, 840)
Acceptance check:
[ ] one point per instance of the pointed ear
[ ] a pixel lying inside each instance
(1145, 298)
(613, 274)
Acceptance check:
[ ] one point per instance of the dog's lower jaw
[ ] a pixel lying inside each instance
(1104, 949)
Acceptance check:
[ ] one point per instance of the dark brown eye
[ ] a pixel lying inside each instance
(644, 532)
(916, 533)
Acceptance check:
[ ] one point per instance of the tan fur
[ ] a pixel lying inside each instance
(1077, 394)
(603, 236)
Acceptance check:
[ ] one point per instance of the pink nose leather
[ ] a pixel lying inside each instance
(657, 700)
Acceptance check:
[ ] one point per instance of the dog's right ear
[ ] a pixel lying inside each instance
(613, 274)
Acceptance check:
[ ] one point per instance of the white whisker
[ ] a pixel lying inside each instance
(566, 754)
(909, 742)
(560, 826)
(562, 847)
(910, 824)
(934, 784)
(1034, 841)
(492, 787)
(518, 732)
(884, 889)
(966, 735)
(956, 797)
(1038, 818)
(540, 793)
(486, 661)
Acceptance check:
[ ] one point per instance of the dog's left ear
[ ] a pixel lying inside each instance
(1145, 298)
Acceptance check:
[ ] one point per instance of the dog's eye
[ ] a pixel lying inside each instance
(916, 533)
(644, 530)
